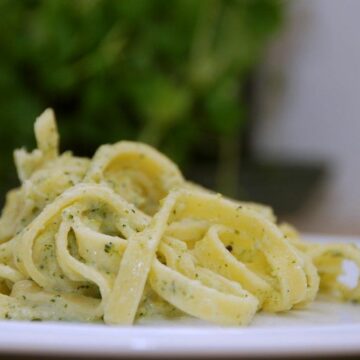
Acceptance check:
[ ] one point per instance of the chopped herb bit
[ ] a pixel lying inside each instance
(48, 246)
(108, 247)
(229, 248)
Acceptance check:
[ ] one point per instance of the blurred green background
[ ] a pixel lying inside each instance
(175, 74)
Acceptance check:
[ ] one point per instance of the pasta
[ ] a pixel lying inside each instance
(123, 236)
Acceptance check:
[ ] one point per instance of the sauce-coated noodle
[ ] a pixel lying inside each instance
(123, 236)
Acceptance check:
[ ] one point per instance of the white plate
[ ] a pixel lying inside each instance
(325, 328)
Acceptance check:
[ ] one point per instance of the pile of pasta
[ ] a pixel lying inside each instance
(123, 236)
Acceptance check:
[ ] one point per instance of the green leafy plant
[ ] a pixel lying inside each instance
(170, 73)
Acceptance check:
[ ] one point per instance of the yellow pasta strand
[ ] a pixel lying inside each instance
(123, 236)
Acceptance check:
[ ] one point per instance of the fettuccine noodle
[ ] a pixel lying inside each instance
(123, 236)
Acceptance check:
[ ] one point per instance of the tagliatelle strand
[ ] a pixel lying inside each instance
(124, 236)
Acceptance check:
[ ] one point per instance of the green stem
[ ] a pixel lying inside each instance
(152, 133)
(228, 166)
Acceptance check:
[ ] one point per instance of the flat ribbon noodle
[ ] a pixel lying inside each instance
(124, 237)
